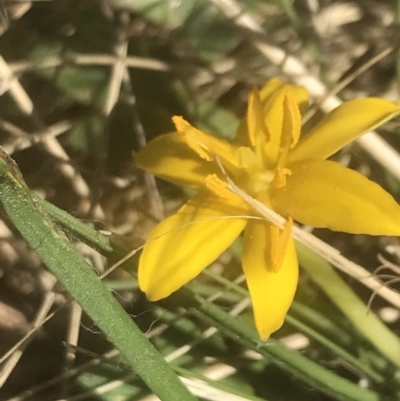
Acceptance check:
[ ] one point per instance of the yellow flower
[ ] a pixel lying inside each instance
(270, 162)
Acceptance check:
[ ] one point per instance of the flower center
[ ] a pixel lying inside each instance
(252, 175)
(255, 175)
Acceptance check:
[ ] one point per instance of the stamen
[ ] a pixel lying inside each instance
(220, 188)
(279, 242)
(255, 119)
(279, 180)
(206, 146)
(193, 137)
(291, 126)
(291, 121)
(190, 135)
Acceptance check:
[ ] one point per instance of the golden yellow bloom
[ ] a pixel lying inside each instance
(270, 162)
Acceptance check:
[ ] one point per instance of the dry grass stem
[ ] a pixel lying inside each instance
(18, 67)
(12, 361)
(50, 144)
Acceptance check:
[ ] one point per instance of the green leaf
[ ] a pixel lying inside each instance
(291, 361)
(85, 233)
(81, 282)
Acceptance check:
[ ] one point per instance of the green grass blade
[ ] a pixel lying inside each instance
(307, 329)
(82, 283)
(367, 323)
(293, 362)
(82, 231)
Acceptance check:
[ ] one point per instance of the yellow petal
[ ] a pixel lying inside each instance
(321, 193)
(298, 92)
(169, 157)
(181, 246)
(342, 125)
(272, 97)
(270, 87)
(271, 292)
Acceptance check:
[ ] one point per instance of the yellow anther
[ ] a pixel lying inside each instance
(206, 146)
(279, 180)
(291, 125)
(255, 118)
(279, 242)
(192, 136)
(219, 187)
